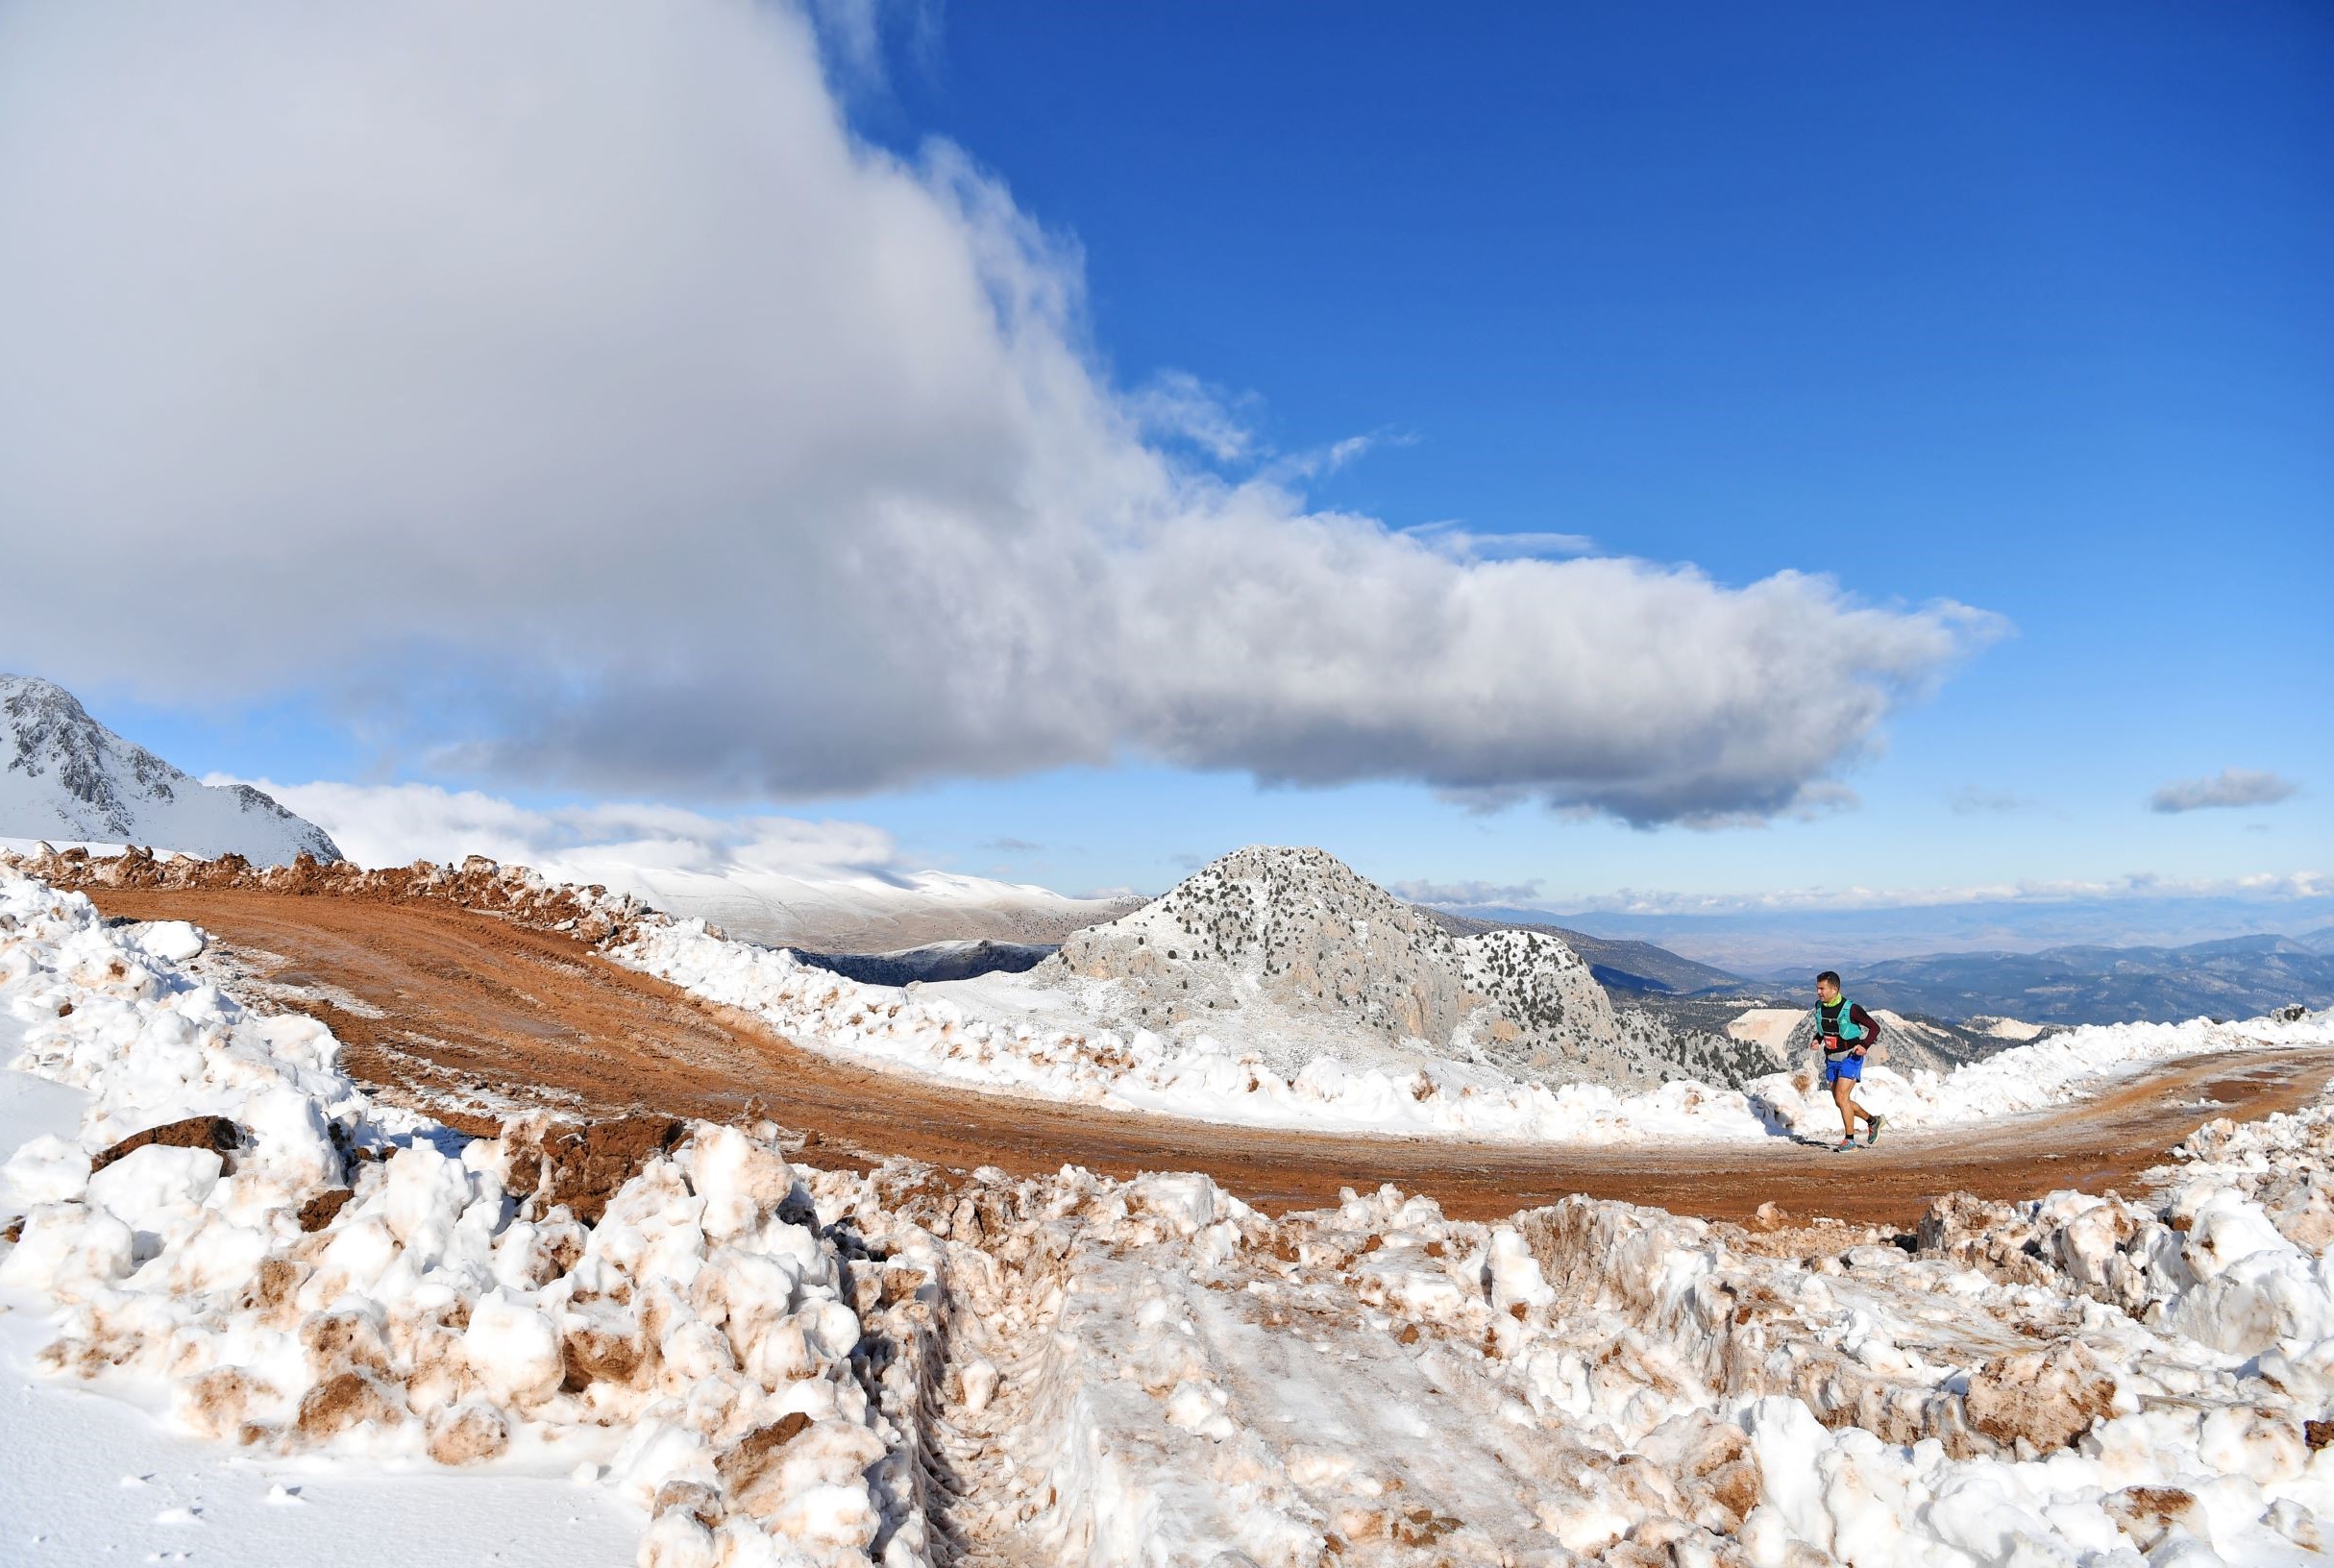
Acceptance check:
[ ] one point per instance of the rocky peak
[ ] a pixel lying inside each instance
(64, 775)
(1273, 933)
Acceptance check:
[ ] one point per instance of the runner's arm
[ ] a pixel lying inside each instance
(1863, 1021)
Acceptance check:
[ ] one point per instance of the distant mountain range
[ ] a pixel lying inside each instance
(1795, 941)
(933, 961)
(2236, 977)
(68, 779)
(2073, 983)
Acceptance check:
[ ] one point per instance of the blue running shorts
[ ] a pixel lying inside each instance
(1850, 1068)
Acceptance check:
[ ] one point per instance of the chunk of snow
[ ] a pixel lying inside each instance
(148, 1185)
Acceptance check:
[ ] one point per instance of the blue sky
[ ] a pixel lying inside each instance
(2018, 308)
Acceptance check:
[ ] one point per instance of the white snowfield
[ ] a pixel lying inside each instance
(835, 910)
(1005, 1033)
(765, 1364)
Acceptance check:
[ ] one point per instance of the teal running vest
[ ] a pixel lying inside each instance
(1838, 1018)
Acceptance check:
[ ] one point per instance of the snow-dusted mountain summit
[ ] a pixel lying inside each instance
(66, 776)
(1293, 953)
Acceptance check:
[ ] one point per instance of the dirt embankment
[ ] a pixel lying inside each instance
(483, 1013)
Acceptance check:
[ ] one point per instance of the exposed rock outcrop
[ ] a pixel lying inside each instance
(1297, 954)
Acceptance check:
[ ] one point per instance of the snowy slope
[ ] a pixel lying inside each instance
(65, 777)
(751, 1361)
(1015, 1033)
(338, 1278)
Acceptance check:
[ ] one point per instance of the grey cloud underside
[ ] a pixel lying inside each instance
(564, 388)
(2229, 788)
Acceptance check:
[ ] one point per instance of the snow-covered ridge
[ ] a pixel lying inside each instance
(779, 1365)
(999, 1034)
(1005, 1034)
(69, 779)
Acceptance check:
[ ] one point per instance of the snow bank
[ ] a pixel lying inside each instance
(1002, 1034)
(2064, 1068)
(348, 1279)
(776, 1365)
(1166, 1377)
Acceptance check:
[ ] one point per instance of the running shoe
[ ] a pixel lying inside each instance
(1843, 1145)
(1872, 1134)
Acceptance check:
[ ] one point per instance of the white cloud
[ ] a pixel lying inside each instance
(1176, 406)
(2229, 786)
(396, 824)
(1454, 539)
(560, 386)
(1475, 894)
(1970, 800)
(2265, 887)
(1316, 462)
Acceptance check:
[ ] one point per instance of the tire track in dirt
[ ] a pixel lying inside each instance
(463, 1011)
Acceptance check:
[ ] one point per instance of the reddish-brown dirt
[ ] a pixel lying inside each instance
(478, 1010)
(217, 1133)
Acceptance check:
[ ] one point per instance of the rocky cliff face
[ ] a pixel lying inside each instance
(66, 776)
(1291, 951)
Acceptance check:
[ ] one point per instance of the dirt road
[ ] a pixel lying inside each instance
(443, 1006)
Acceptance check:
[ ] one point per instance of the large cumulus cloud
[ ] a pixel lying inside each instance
(560, 382)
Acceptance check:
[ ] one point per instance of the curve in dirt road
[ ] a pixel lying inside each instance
(468, 1016)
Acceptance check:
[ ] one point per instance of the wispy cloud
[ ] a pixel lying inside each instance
(2229, 788)
(1970, 800)
(2136, 885)
(1465, 894)
(851, 35)
(1317, 462)
(1455, 541)
(1013, 846)
(1177, 406)
(395, 824)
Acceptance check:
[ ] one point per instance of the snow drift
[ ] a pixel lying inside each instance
(776, 1364)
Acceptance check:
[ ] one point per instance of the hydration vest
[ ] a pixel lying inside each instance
(1838, 1018)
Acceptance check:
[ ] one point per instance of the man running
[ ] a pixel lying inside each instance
(1844, 1032)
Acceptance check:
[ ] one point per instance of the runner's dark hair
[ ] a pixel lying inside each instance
(1833, 975)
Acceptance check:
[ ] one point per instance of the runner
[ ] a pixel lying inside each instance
(1844, 1032)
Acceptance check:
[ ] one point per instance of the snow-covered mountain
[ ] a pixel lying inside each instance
(68, 777)
(1292, 953)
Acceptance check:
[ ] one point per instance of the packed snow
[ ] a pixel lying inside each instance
(349, 1277)
(332, 1304)
(1008, 1033)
